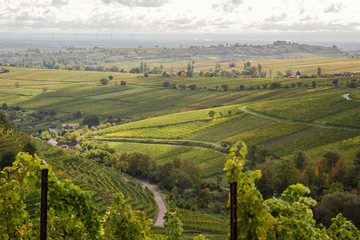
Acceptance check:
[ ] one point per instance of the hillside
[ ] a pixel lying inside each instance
(101, 58)
(87, 174)
(183, 127)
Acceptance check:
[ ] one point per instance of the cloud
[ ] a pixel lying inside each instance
(310, 27)
(237, 1)
(228, 6)
(277, 18)
(333, 8)
(137, 3)
(59, 3)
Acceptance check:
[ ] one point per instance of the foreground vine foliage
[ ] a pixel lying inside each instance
(71, 213)
(287, 217)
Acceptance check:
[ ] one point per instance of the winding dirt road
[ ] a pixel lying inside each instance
(161, 205)
(346, 96)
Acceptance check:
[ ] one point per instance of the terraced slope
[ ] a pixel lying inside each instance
(11, 140)
(103, 181)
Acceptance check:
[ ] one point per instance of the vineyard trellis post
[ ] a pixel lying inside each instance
(44, 190)
(233, 210)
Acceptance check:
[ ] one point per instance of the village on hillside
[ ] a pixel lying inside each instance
(58, 129)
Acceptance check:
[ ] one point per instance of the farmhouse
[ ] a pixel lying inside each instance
(293, 76)
(52, 141)
(63, 145)
(71, 126)
(55, 128)
(247, 76)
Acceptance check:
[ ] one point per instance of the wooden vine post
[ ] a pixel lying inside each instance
(233, 210)
(44, 190)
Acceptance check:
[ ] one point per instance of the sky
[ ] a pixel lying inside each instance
(180, 16)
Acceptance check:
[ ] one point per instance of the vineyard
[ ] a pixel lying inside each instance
(319, 105)
(104, 182)
(176, 124)
(11, 140)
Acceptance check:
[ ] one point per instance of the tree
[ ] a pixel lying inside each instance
(270, 73)
(52, 112)
(91, 120)
(45, 135)
(104, 81)
(142, 67)
(44, 89)
(204, 198)
(54, 134)
(300, 160)
(135, 70)
(30, 148)
(111, 77)
(78, 114)
(7, 159)
(353, 85)
(232, 65)
(285, 175)
(114, 69)
(313, 84)
(331, 157)
(166, 84)
(192, 87)
(357, 160)
(259, 68)
(4, 106)
(190, 70)
(335, 82)
(319, 71)
(338, 202)
(140, 164)
(12, 116)
(225, 87)
(211, 114)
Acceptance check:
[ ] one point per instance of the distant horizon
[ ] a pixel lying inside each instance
(249, 20)
(345, 41)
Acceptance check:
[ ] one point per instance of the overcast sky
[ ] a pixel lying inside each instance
(180, 16)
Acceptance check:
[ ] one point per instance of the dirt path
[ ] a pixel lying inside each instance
(346, 96)
(167, 141)
(161, 205)
(279, 119)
